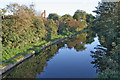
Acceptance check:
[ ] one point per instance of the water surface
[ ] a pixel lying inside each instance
(70, 58)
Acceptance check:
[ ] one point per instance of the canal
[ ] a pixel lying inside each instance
(70, 58)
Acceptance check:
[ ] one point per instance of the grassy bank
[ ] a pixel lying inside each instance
(28, 48)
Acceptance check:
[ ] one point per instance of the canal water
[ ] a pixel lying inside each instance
(70, 58)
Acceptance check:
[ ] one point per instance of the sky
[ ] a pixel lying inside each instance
(60, 7)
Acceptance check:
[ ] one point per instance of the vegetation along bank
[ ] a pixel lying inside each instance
(24, 31)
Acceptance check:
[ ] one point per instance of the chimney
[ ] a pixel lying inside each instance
(44, 13)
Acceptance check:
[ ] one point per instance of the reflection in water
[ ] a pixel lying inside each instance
(78, 42)
(34, 65)
(82, 56)
(69, 63)
(67, 59)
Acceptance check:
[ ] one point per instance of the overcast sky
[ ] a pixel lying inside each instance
(60, 7)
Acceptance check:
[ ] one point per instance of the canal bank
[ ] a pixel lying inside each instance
(69, 58)
(9, 66)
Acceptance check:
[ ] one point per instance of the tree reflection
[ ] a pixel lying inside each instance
(35, 65)
(90, 36)
(107, 62)
(78, 42)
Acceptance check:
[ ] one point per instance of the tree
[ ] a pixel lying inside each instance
(3, 11)
(12, 8)
(107, 21)
(22, 27)
(89, 18)
(106, 25)
(53, 16)
(66, 17)
(51, 28)
(79, 15)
